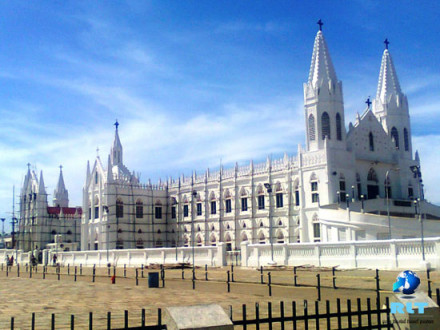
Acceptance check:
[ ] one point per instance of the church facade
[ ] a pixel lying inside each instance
(363, 183)
(41, 224)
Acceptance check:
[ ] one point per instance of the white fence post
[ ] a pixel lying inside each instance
(221, 254)
(244, 253)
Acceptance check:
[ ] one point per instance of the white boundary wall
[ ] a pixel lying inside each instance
(391, 255)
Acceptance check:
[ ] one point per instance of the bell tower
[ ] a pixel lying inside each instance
(323, 100)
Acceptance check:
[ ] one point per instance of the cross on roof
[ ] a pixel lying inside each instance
(29, 166)
(320, 24)
(368, 102)
(116, 124)
(97, 151)
(61, 168)
(386, 42)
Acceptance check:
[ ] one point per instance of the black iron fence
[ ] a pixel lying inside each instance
(304, 315)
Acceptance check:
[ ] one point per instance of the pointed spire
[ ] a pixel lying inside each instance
(109, 170)
(321, 68)
(417, 157)
(41, 189)
(388, 82)
(116, 150)
(61, 195)
(27, 177)
(61, 185)
(88, 172)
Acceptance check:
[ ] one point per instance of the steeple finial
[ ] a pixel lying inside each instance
(368, 102)
(61, 168)
(116, 124)
(320, 24)
(386, 42)
(29, 166)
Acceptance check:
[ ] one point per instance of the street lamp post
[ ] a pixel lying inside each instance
(387, 188)
(339, 196)
(3, 231)
(387, 194)
(269, 191)
(194, 194)
(418, 175)
(107, 233)
(362, 203)
(347, 200)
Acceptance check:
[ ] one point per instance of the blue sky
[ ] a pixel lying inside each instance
(193, 82)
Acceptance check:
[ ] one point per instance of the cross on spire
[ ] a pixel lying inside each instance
(29, 166)
(97, 151)
(61, 168)
(368, 102)
(116, 124)
(320, 24)
(386, 42)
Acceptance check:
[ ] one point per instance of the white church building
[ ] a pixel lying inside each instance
(360, 183)
(41, 224)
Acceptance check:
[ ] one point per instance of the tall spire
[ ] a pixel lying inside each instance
(41, 189)
(109, 170)
(88, 172)
(116, 150)
(27, 177)
(321, 68)
(388, 82)
(61, 195)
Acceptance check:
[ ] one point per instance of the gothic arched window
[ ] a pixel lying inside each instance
(371, 139)
(325, 123)
(338, 127)
(372, 176)
(395, 137)
(139, 209)
(119, 208)
(311, 128)
(406, 139)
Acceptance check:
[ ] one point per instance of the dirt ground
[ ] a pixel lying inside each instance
(22, 296)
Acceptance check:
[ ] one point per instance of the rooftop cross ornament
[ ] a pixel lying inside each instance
(29, 166)
(97, 151)
(61, 168)
(116, 124)
(368, 102)
(320, 24)
(386, 42)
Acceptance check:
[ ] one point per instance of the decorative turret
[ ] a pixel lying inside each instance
(323, 100)
(391, 106)
(61, 195)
